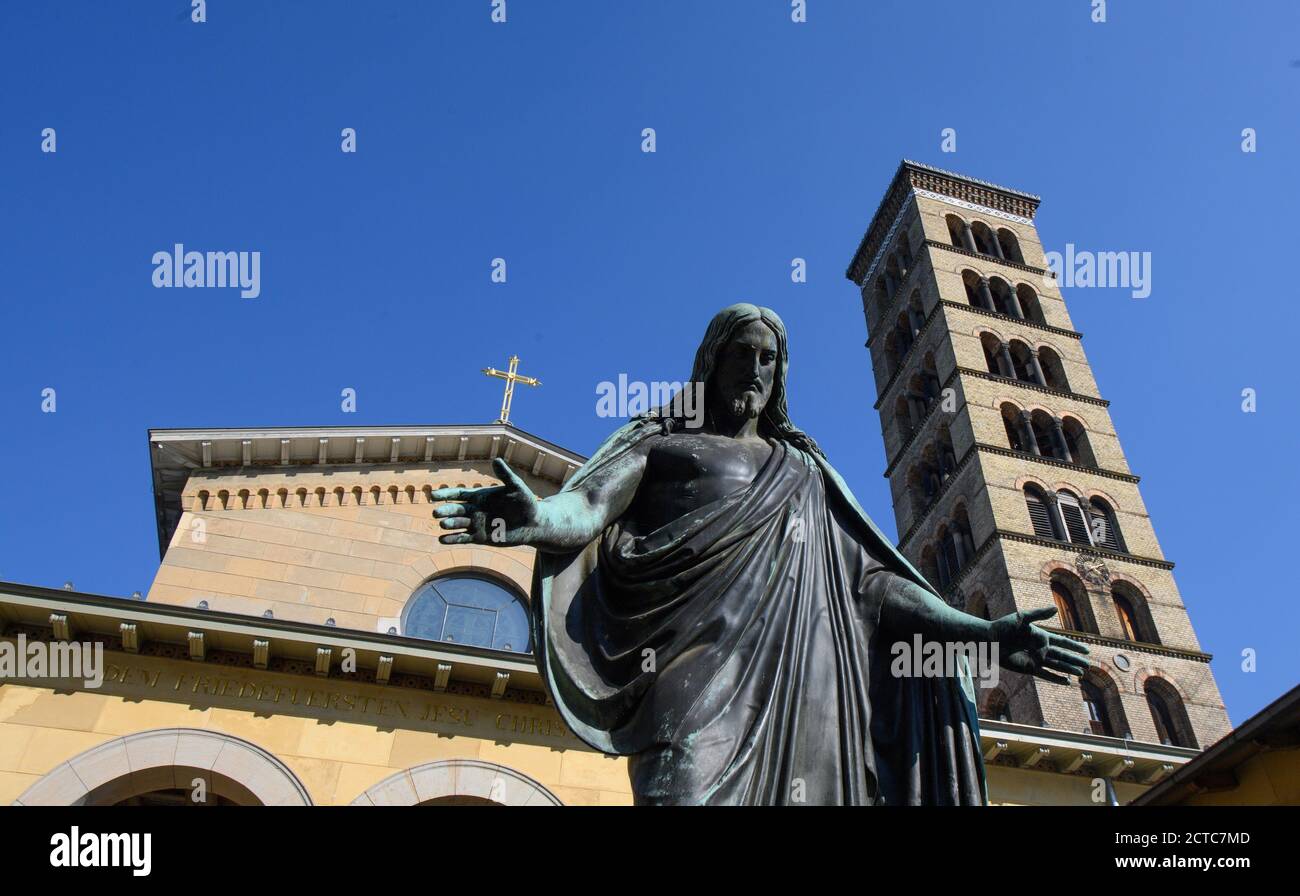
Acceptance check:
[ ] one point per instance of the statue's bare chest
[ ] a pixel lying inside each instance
(687, 471)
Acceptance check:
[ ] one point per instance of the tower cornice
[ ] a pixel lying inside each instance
(912, 176)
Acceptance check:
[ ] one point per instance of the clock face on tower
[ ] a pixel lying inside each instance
(1092, 569)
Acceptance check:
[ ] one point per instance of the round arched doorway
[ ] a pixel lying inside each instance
(458, 782)
(170, 766)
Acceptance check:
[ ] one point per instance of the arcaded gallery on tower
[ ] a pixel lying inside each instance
(307, 639)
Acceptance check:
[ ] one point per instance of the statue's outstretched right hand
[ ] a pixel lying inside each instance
(502, 515)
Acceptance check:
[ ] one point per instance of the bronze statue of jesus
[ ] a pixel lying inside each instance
(714, 604)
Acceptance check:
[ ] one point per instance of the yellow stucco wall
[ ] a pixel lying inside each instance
(1266, 779)
(1031, 787)
(338, 737)
(311, 544)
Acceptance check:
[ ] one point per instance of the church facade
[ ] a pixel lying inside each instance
(1011, 491)
(306, 640)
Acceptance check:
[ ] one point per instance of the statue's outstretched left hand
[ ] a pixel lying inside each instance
(1024, 647)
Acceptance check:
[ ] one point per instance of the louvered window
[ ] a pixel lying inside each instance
(1076, 526)
(1040, 516)
(1104, 530)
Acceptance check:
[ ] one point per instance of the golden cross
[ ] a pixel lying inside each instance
(511, 378)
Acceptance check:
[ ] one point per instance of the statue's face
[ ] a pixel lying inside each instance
(741, 384)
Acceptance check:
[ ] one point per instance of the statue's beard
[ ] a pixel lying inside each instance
(747, 406)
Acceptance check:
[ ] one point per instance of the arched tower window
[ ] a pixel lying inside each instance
(962, 535)
(1010, 246)
(927, 477)
(893, 360)
(930, 567)
(1094, 704)
(1103, 526)
(946, 556)
(1134, 616)
(918, 487)
(908, 412)
(1102, 705)
(955, 228)
(1076, 524)
(945, 456)
(992, 350)
(915, 312)
(893, 276)
(930, 380)
(1128, 623)
(1045, 434)
(882, 296)
(468, 609)
(985, 243)
(1076, 440)
(1001, 292)
(1053, 370)
(1022, 362)
(904, 334)
(1040, 515)
(1011, 423)
(1067, 613)
(971, 281)
(1167, 712)
(1029, 303)
(904, 255)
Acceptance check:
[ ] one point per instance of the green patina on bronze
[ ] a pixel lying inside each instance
(714, 604)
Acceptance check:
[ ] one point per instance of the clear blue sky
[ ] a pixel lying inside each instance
(522, 140)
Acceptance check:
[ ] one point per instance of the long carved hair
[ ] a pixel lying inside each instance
(775, 420)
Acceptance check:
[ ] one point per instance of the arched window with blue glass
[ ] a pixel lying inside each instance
(468, 609)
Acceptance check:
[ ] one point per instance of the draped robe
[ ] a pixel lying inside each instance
(736, 653)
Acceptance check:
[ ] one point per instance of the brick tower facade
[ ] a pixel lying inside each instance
(1010, 489)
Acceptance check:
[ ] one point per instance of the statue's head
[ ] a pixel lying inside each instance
(742, 365)
(738, 361)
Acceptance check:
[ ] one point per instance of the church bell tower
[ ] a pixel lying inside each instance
(1011, 491)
